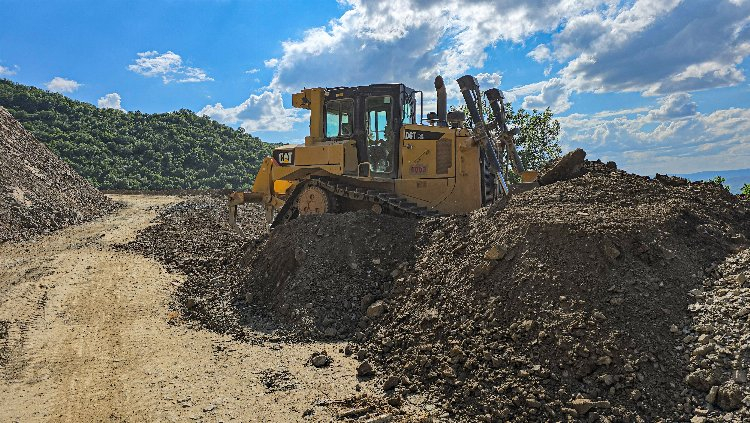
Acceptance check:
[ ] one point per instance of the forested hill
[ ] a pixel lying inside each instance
(133, 150)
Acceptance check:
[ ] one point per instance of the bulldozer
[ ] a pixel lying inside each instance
(371, 147)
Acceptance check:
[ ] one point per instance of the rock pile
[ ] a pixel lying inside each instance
(573, 302)
(606, 297)
(325, 275)
(39, 193)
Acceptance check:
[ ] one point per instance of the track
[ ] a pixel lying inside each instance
(389, 202)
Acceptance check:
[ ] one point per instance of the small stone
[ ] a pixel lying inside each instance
(616, 300)
(740, 376)
(741, 278)
(598, 315)
(362, 354)
(704, 339)
(320, 360)
(331, 332)
(604, 361)
(496, 252)
(700, 379)
(698, 419)
(729, 396)
(611, 251)
(533, 403)
(376, 261)
(712, 393)
(248, 297)
(364, 369)
(209, 407)
(391, 382)
(569, 411)
(583, 405)
(674, 329)
(376, 309)
(395, 401)
(526, 325)
(703, 350)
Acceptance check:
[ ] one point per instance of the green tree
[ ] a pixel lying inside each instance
(133, 150)
(746, 189)
(537, 141)
(720, 181)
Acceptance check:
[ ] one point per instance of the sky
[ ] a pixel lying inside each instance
(655, 85)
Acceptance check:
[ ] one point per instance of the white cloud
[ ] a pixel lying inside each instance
(169, 66)
(682, 141)
(62, 85)
(553, 94)
(6, 71)
(489, 80)
(264, 112)
(411, 41)
(271, 63)
(110, 101)
(674, 106)
(252, 71)
(541, 53)
(656, 47)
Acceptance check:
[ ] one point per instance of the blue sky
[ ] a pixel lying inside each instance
(656, 85)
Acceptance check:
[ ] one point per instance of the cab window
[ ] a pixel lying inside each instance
(408, 112)
(380, 137)
(339, 118)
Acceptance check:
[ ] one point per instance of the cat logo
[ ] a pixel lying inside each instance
(285, 157)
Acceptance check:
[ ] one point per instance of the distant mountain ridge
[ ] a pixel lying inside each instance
(114, 149)
(735, 178)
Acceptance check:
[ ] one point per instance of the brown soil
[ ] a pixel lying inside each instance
(39, 193)
(87, 334)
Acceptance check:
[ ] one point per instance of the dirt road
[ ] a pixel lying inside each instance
(85, 336)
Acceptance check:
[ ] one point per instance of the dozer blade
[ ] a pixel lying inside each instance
(237, 198)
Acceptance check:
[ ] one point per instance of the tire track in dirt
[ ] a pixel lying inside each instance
(97, 345)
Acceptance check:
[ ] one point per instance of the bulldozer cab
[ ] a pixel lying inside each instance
(372, 117)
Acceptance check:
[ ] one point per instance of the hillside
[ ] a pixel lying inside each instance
(133, 150)
(735, 179)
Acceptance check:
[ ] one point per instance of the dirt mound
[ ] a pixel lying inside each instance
(39, 193)
(320, 274)
(609, 297)
(570, 302)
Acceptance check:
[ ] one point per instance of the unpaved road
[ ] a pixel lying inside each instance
(85, 335)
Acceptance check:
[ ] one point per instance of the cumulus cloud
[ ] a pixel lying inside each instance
(110, 101)
(674, 106)
(62, 85)
(411, 41)
(682, 141)
(6, 71)
(541, 53)
(488, 80)
(656, 47)
(264, 112)
(271, 63)
(168, 66)
(553, 94)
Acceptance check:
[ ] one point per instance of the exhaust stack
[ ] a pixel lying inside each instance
(442, 102)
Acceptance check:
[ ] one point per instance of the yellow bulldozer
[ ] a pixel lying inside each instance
(370, 148)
